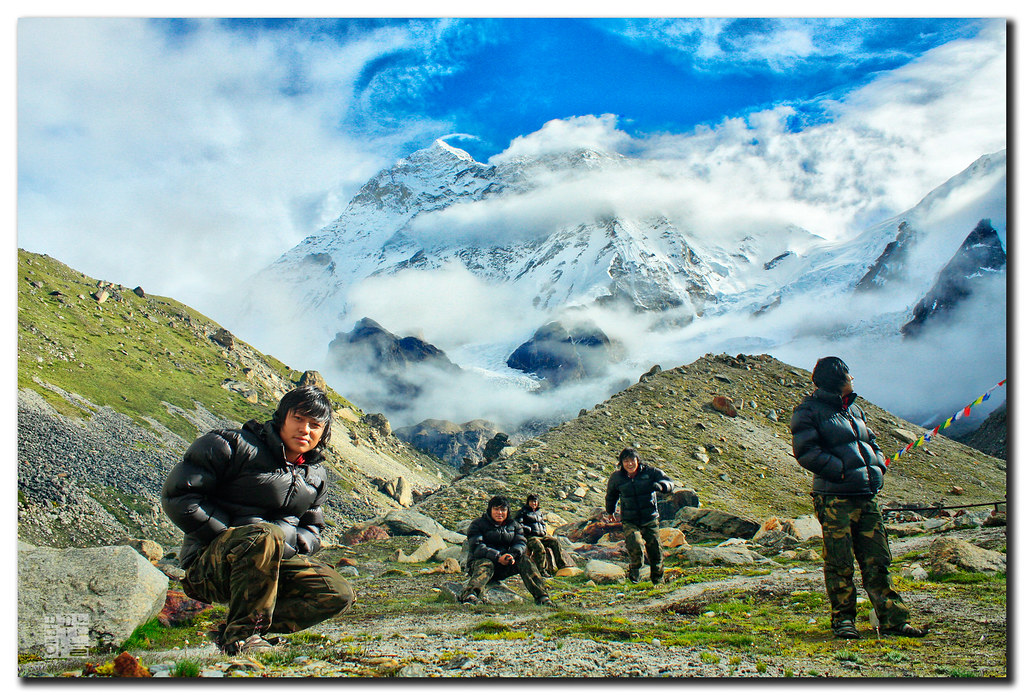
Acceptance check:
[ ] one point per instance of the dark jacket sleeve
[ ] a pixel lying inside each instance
(187, 495)
(307, 535)
(662, 482)
(519, 542)
(808, 449)
(611, 495)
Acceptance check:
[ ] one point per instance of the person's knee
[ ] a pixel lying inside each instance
(338, 597)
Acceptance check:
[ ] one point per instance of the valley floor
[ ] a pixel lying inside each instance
(710, 622)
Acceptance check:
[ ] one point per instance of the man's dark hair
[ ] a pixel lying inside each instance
(830, 374)
(628, 453)
(497, 501)
(311, 402)
(532, 498)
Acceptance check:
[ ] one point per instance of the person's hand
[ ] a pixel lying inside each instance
(506, 559)
(661, 486)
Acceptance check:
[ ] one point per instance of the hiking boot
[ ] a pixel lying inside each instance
(216, 635)
(634, 574)
(904, 630)
(469, 599)
(254, 644)
(657, 578)
(545, 601)
(845, 629)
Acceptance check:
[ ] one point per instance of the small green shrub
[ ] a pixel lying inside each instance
(186, 668)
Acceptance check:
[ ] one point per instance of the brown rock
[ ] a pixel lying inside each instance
(127, 666)
(313, 378)
(724, 404)
(179, 609)
(362, 533)
(949, 555)
(956, 490)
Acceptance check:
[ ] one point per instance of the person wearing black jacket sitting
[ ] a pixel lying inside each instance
(831, 439)
(543, 548)
(634, 486)
(497, 550)
(249, 502)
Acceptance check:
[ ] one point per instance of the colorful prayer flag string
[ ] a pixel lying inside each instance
(927, 437)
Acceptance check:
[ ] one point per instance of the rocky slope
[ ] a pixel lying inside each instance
(743, 464)
(114, 384)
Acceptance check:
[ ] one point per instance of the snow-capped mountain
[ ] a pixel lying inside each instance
(508, 228)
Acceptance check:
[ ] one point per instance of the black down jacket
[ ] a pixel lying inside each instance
(532, 521)
(488, 539)
(237, 477)
(832, 440)
(638, 503)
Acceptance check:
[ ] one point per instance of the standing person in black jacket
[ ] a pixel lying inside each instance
(832, 440)
(634, 485)
(544, 548)
(497, 551)
(249, 503)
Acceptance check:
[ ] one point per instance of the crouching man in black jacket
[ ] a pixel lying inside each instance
(497, 549)
(249, 503)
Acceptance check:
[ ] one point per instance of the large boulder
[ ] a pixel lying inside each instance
(949, 555)
(604, 572)
(701, 524)
(723, 555)
(105, 592)
(407, 522)
(427, 550)
(399, 490)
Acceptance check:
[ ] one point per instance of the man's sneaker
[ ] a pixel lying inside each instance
(634, 574)
(657, 578)
(469, 599)
(905, 630)
(545, 601)
(845, 629)
(254, 644)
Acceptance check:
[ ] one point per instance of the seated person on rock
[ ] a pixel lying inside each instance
(634, 486)
(249, 503)
(497, 550)
(544, 549)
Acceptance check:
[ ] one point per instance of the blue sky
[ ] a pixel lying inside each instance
(187, 154)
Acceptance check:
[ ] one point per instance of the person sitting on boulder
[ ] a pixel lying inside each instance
(831, 439)
(543, 548)
(634, 486)
(249, 502)
(497, 550)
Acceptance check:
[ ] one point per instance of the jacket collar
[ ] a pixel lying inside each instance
(833, 398)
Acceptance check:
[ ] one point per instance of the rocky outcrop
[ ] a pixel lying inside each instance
(890, 263)
(406, 522)
(949, 555)
(701, 524)
(979, 256)
(460, 445)
(104, 593)
(561, 353)
(990, 437)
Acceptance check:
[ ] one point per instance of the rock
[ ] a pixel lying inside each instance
(580, 492)
(100, 296)
(427, 550)
(313, 378)
(569, 572)
(724, 404)
(406, 522)
(460, 445)
(413, 670)
(604, 572)
(348, 571)
(956, 490)
(712, 523)
(151, 550)
(449, 566)
(808, 555)
(701, 456)
(571, 352)
(127, 666)
(803, 527)
(685, 497)
(772, 415)
(361, 533)
(399, 490)
(735, 555)
(995, 519)
(113, 587)
(378, 423)
(672, 537)
(495, 446)
(224, 337)
(139, 292)
(904, 436)
(499, 595)
(656, 369)
(949, 555)
(179, 609)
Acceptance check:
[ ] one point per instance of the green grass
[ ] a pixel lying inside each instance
(186, 668)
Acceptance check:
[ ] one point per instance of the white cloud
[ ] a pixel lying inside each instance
(566, 134)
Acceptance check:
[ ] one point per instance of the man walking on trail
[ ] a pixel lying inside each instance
(832, 440)
(497, 550)
(249, 502)
(634, 486)
(545, 550)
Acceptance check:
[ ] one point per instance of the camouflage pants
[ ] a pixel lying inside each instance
(852, 528)
(546, 553)
(482, 571)
(651, 542)
(243, 567)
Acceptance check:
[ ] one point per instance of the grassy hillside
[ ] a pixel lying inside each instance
(112, 391)
(750, 468)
